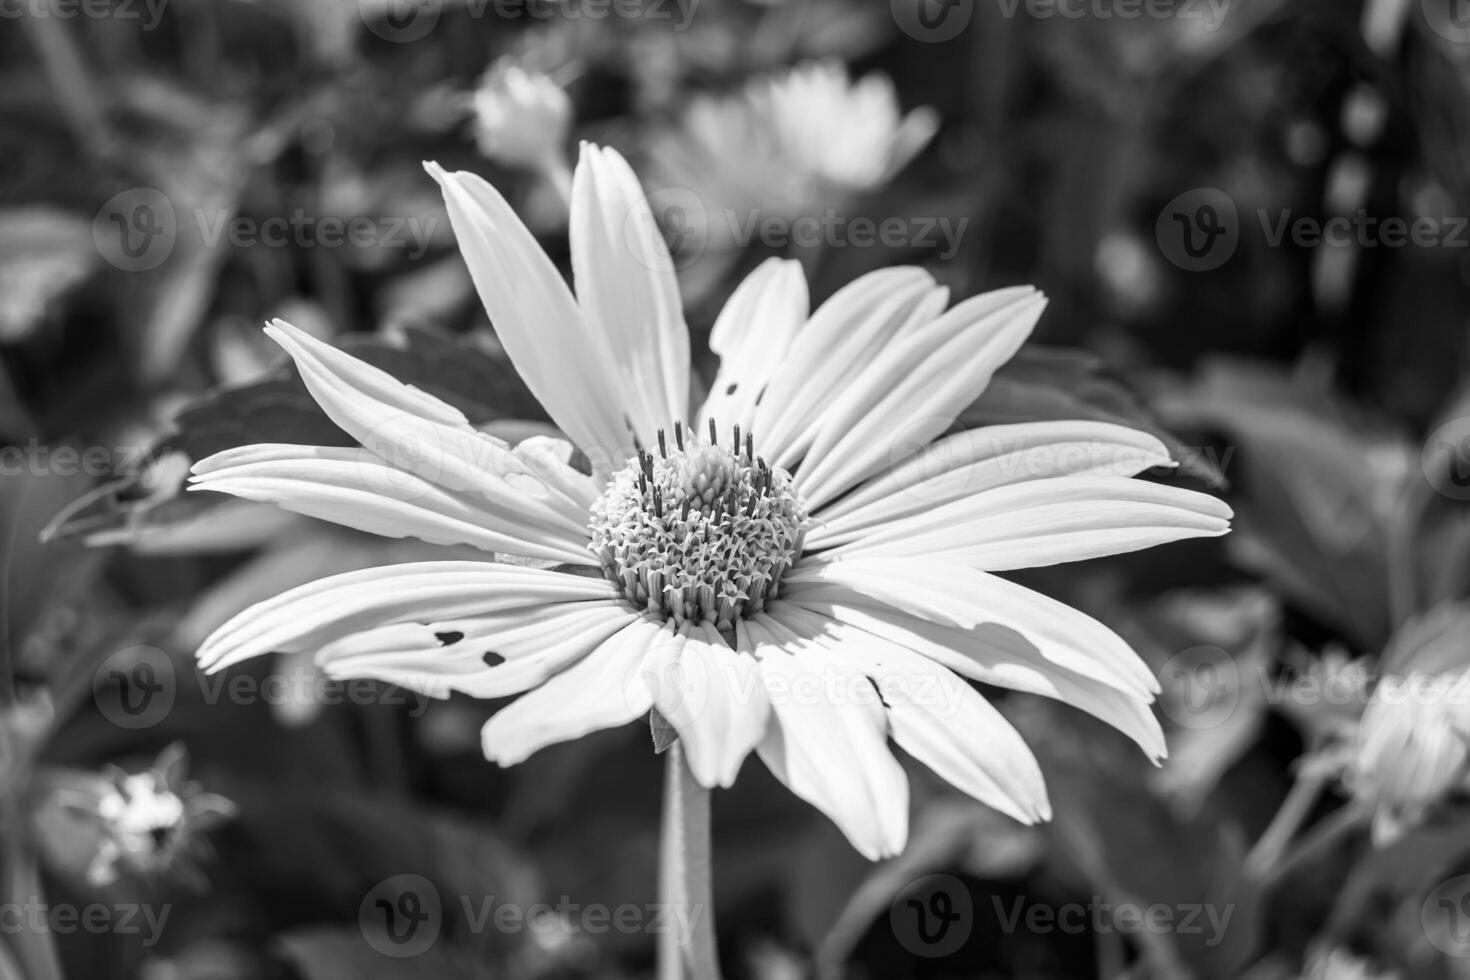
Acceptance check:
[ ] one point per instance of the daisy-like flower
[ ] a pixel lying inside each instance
(1411, 753)
(804, 565)
(149, 823)
(789, 144)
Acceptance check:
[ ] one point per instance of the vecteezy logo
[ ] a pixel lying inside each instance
(401, 916)
(1446, 458)
(932, 20)
(400, 21)
(1201, 687)
(135, 688)
(675, 217)
(1199, 230)
(1445, 916)
(136, 229)
(1450, 19)
(933, 916)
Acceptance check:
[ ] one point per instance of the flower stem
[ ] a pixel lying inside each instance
(1294, 810)
(686, 947)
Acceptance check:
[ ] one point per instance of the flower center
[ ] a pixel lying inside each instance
(698, 532)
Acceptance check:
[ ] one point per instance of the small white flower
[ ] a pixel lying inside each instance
(807, 571)
(1412, 745)
(521, 118)
(794, 143)
(150, 822)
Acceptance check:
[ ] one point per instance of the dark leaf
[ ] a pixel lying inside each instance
(279, 408)
(1042, 384)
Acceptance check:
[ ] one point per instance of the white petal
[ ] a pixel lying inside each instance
(990, 654)
(897, 403)
(551, 459)
(827, 740)
(713, 697)
(848, 330)
(981, 459)
(913, 134)
(752, 334)
(942, 721)
(355, 488)
(1047, 522)
(627, 288)
(568, 367)
(603, 690)
(483, 656)
(314, 615)
(953, 595)
(378, 411)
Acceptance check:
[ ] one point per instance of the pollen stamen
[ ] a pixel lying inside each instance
(702, 533)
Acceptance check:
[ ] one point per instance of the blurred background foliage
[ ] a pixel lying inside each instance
(1319, 388)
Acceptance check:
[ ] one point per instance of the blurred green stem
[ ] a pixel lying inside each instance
(686, 946)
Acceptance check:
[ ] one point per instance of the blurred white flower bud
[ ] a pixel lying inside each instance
(521, 118)
(1412, 749)
(139, 824)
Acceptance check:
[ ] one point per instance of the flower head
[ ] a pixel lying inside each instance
(521, 118)
(792, 143)
(1412, 746)
(150, 823)
(803, 566)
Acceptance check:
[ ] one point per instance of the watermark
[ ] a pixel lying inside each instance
(933, 916)
(1200, 230)
(680, 687)
(1445, 916)
(668, 230)
(1450, 19)
(1446, 458)
(672, 227)
(406, 21)
(938, 471)
(1209, 13)
(138, 229)
(148, 13)
(408, 458)
(832, 230)
(137, 687)
(403, 916)
(36, 915)
(1201, 687)
(1204, 685)
(1099, 916)
(932, 21)
(302, 230)
(1364, 230)
(38, 459)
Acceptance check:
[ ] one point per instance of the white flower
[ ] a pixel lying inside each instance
(521, 118)
(807, 571)
(1412, 745)
(150, 823)
(789, 144)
